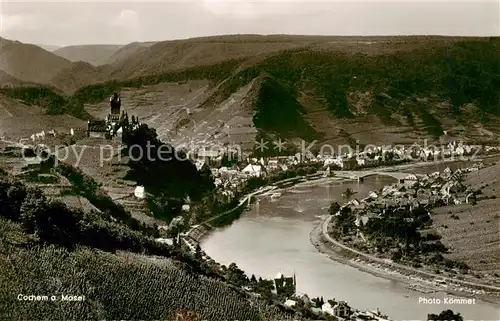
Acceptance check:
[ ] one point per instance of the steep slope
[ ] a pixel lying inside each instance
(19, 120)
(116, 287)
(340, 90)
(50, 48)
(140, 59)
(479, 246)
(120, 269)
(9, 80)
(276, 109)
(418, 92)
(77, 75)
(92, 63)
(168, 55)
(95, 55)
(145, 58)
(28, 62)
(128, 50)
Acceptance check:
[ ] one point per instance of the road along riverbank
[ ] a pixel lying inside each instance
(418, 279)
(274, 236)
(197, 232)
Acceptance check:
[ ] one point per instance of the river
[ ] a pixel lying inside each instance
(273, 236)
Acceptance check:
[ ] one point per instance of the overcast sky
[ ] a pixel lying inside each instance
(120, 22)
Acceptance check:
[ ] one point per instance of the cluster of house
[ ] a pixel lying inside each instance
(286, 286)
(351, 160)
(231, 179)
(43, 136)
(340, 309)
(256, 167)
(374, 155)
(438, 188)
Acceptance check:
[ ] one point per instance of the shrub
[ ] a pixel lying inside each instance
(86, 186)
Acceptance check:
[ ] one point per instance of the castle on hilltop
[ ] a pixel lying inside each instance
(114, 125)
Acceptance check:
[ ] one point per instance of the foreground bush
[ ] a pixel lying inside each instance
(48, 249)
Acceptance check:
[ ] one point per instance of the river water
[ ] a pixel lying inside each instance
(273, 236)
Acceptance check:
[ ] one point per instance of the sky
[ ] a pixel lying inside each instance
(119, 22)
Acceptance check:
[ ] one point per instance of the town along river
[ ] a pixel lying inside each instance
(273, 236)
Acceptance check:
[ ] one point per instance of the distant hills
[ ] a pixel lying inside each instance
(395, 88)
(93, 54)
(30, 63)
(49, 47)
(67, 68)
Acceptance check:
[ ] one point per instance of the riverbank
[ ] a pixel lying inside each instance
(426, 282)
(342, 256)
(416, 279)
(198, 231)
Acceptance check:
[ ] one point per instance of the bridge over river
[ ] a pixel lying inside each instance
(360, 175)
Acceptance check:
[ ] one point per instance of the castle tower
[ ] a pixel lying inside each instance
(114, 118)
(115, 104)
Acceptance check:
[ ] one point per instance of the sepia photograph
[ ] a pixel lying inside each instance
(250, 160)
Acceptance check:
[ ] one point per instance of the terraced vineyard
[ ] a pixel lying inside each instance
(126, 286)
(19, 120)
(473, 231)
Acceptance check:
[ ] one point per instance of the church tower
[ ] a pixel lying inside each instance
(294, 283)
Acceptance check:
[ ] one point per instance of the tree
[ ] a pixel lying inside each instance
(16, 194)
(58, 224)
(197, 252)
(345, 222)
(163, 170)
(446, 315)
(48, 162)
(33, 207)
(396, 256)
(334, 208)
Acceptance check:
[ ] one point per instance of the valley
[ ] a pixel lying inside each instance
(215, 93)
(328, 101)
